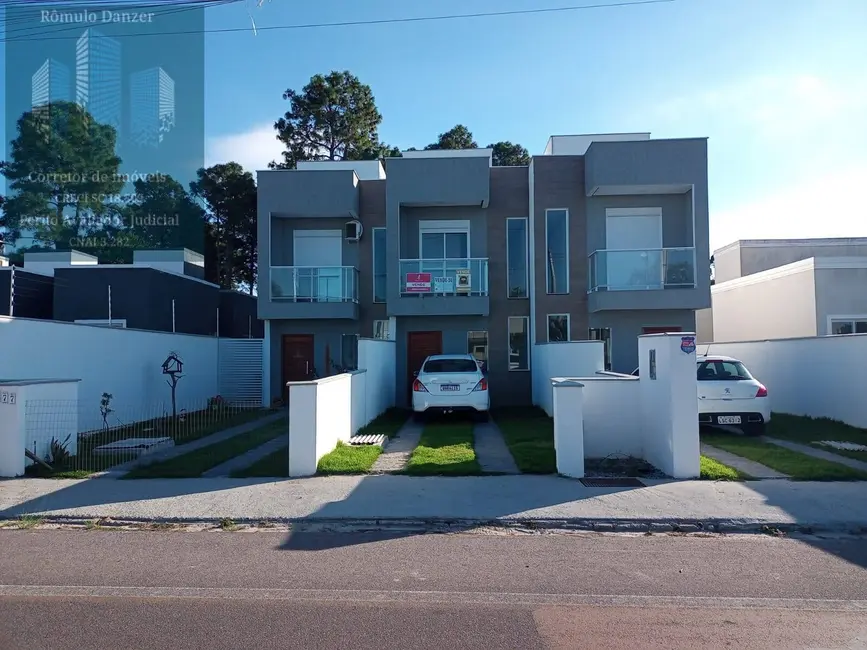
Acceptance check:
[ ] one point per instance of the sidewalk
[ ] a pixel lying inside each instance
(825, 506)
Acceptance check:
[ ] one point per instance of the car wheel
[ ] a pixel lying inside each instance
(755, 430)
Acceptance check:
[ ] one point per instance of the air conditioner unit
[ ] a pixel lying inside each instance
(353, 230)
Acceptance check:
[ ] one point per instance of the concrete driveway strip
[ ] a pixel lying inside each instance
(245, 460)
(827, 505)
(749, 467)
(491, 450)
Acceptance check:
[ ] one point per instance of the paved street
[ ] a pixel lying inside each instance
(304, 590)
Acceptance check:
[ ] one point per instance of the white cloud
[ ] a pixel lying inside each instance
(830, 206)
(253, 148)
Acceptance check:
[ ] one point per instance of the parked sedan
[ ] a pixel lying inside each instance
(450, 383)
(729, 395)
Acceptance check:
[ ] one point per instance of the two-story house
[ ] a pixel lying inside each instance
(601, 237)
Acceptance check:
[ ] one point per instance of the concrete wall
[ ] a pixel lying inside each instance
(377, 358)
(727, 263)
(757, 256)
(816, 376)
(704, 325)
(575, 359)
(320, 416)
(126, 363)
(609, 428)
(839, 292)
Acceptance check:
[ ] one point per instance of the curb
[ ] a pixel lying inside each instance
(424, 525)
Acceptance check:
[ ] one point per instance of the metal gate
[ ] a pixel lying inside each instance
(239, 368)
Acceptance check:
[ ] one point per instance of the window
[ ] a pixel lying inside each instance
(440, 240)
(451, 365)
(519, 343)
(477, 345)
(349, 351)
(557, 250)
(603, 334)
(558, 328)
(722, 371)
(848, 325)
(516, 256)
(380, 330)
(379, 266)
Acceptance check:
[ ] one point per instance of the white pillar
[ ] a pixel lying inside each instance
(569, 426)
(302, 428)
(12, 429)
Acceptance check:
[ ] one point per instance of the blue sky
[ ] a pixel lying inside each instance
(779, 88)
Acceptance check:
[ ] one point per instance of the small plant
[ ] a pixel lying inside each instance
(58, 453)
(226, 523)
(105, 409)
(29, 521)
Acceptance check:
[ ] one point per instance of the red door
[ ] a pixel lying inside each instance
(297, 359)
(660, 330)
(419, 346)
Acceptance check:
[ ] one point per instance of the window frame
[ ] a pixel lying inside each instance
(851, 319)
(546, 249)
(487, 345)
(526, 260)
(568, 327)
(526, 320)
(373, 265)
(608, 344)
(385, 329)
(444, 227)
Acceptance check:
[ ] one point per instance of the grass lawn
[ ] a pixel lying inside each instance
(349, 459)
(198, 461)
(529, 434)
(809, 431)
(713, 470)
(387, 423)
(445, 449)
(274, 465)
(798, 466)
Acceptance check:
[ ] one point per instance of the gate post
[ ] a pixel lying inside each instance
(569, 426)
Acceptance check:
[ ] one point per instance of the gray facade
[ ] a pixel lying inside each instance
(486, 206)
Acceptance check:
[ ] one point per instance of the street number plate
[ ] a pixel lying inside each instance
(449, 387)
(728, 419)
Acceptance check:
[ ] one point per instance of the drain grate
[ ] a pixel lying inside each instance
(370, 439)
(611, 482)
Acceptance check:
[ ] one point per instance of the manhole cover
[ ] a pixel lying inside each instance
(611, 482)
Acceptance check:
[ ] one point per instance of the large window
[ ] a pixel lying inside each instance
(558, 328)
(557, 250)
(848, 325)
(516, 256)
(440, 240)
(603, 334)
(379, 268)
(477, 345)
(519, 343)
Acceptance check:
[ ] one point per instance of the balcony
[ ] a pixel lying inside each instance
(315, 291)
(443, 287)
(661, 278)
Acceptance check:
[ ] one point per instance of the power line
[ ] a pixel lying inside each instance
(383, 21)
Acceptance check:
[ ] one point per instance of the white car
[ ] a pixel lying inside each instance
(450, 383)
(729, 395)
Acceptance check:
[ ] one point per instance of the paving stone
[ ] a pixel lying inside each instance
(396, 452)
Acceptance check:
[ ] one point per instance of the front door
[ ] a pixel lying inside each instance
(660, 330)
(419, 346)
(634, 251)
(297, 359)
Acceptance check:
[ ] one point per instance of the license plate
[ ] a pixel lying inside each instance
(728, 419)
(449, 387)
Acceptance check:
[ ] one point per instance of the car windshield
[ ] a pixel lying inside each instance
(451, 365)
(722, 371)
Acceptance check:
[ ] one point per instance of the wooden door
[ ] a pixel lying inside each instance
(419, 346)
(660, 330)
(297, 359)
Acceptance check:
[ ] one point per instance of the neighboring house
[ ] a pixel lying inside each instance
(602, 237)
(786, 288)
(33, 293)
(161, 291)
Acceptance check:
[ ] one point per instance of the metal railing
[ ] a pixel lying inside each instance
(314, 283)
(444, 277)
(642, 270)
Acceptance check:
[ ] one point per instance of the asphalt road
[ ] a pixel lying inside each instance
(141, 590)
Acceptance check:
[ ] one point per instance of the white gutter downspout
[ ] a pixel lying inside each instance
(532, 284)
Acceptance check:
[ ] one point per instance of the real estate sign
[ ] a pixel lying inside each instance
(463, 280)
(444, 285)
(418, 282)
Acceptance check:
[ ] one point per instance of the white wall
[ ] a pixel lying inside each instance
(377, 357)
(822, 376)
(612, 424)
(359, 415)
(572, 359)
(126, 363)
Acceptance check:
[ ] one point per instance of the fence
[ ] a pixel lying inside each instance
(573, 359)
(56, 431)
(239, 369)
(819, 376)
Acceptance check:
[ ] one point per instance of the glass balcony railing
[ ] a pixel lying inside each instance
(640, 270)
(444, 277)
(314, 283)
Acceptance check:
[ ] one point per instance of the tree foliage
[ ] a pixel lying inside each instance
(229, 195)
(457, 137)
(333, 117)
(507, 154)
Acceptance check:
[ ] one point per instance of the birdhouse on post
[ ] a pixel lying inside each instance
(173, 367)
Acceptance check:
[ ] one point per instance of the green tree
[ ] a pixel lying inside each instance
(506, 154)
(229, 195)
(333, 117)
(62, 175)
(458, 137)
(164, 215)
